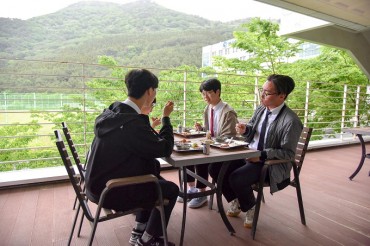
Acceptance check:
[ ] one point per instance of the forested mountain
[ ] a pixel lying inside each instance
(139, 33)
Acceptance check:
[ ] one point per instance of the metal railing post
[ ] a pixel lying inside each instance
(307, 99)
(184, 97)
(256, 94)
(357, 116)
(345, 91)
(84, 108)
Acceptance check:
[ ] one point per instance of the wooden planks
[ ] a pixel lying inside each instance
(337, 211)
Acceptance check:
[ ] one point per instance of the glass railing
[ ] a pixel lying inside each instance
(36, 96)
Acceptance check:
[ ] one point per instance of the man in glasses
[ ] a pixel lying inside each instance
(274, 129)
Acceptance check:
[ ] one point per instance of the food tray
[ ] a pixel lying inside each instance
(179, 145)
(191, 149)
(232, 145)
(189, 134)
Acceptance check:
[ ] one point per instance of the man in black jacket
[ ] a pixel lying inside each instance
(125, 145)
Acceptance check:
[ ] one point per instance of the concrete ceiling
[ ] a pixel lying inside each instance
(349, 26)
(351, 14)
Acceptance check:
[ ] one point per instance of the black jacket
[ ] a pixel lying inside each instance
(125, 145)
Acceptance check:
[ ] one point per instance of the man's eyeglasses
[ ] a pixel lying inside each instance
(209, 93)
(266, 93)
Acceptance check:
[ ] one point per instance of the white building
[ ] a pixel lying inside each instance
(224, 49)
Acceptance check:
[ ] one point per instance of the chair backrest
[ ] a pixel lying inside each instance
(302, 147)
(111, 184)
(73, 177)
(72, 147)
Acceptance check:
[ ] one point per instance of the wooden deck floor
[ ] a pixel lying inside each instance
(337, 212)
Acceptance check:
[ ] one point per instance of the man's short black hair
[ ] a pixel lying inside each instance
(283, 83)
(210, 85)
(138, 81)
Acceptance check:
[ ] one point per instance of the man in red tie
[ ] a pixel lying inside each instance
(219, 119)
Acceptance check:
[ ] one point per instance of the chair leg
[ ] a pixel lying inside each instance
(299, 195)
(164, 224)
(79, 228)
(82, 219)
(74, 225)
(74, 204)
(259, 198)
(210, 205)
(162, 213)
(95, 224)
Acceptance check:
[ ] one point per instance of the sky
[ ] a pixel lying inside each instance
(217, 10)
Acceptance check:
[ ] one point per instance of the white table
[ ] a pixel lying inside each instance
(359, 131)
(183, 159)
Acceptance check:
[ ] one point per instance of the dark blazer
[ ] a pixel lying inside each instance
(281, 141)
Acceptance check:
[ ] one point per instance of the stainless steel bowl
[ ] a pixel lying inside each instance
(183, 146)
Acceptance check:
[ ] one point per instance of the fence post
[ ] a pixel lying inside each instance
(5, 107)
(184, 108)
(84, 109)
(34, 100)
(306, 103)
(357, 116)
(5, 102)
(256, 94)
(343, 110)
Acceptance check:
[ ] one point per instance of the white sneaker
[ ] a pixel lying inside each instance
(234, 209)
(190, 191)
(198, 202)
(249, 218)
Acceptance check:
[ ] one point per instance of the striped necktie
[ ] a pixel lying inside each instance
(261, 141)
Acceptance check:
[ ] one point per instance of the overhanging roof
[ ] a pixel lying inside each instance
(351, 14)
(349, 28)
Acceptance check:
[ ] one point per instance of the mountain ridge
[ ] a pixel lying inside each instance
(140, 33)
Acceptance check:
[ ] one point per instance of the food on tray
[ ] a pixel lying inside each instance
(220, 139)
(183, 146)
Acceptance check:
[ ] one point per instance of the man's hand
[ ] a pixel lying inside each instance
(168, 108)
(240, 128)
(156, 122)
(198, 126)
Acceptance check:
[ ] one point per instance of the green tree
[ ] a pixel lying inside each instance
(267, 50)
(332, 69)
(269, 53)
(15, 138)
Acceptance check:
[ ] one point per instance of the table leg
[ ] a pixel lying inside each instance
(185, 199)
(363, 155)
(220, 206)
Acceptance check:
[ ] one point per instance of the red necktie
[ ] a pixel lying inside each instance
(211, 125)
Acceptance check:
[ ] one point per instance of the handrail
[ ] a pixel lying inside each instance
(36, 136)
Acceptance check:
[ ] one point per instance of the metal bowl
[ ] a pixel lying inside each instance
(183, 146)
